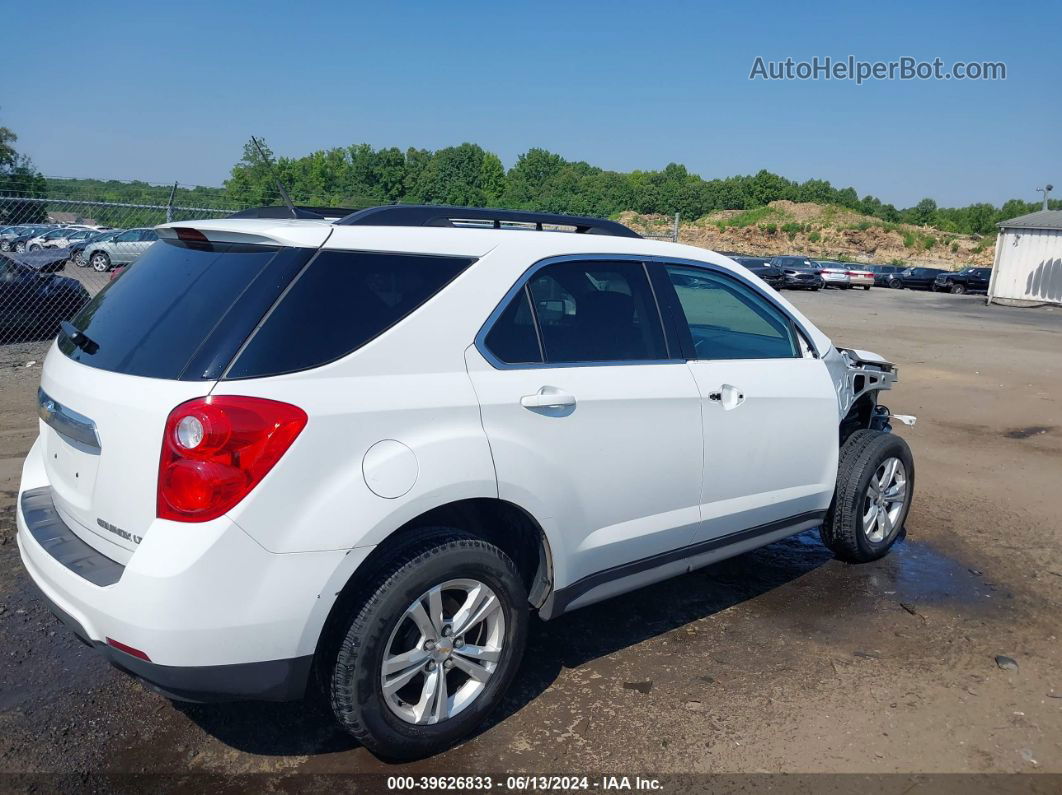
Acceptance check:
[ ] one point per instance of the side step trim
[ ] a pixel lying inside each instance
(558, 602)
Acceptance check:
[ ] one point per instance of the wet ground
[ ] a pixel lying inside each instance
(779, 660)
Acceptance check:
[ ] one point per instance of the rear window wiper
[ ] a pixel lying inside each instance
(79, 338)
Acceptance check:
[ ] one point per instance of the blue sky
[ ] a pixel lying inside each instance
(171, 91)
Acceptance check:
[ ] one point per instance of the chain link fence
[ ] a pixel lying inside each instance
(60, 245)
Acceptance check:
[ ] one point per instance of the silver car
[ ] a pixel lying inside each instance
(123, 249)
(835, 274)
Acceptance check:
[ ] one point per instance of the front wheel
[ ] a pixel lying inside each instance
(875, 483)
(895, 284)
(866, 286)
(432, 650)
(957, 289)
(100, 262)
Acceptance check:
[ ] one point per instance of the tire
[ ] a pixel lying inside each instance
(390, 723)
(100, 262)
(20, 248)
(957, 289)
(866, 286)
(868, 455)
(34, 247)
(895, 284)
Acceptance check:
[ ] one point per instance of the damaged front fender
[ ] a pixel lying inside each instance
(858, 374)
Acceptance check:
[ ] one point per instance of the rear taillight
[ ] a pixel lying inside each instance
(216, 449)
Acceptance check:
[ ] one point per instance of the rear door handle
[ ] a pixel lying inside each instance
(548, 397)
(728, 395)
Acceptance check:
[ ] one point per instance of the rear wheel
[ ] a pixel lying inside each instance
(866, 286)
(432, 649)
(957, 289)
(875, 483)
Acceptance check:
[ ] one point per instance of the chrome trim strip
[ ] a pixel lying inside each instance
(67, 422)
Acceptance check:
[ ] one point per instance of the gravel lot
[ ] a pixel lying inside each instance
(780, 660)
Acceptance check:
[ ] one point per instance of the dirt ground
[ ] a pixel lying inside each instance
(779, 660)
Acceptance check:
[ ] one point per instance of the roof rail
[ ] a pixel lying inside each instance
(280, 211)
(437, 215)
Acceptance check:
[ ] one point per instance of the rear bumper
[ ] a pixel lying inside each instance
(272, 680)
(219, 617)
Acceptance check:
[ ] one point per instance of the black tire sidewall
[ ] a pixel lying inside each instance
(361, 654)
(883, 446)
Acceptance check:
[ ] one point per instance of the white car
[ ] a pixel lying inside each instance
(282, 454)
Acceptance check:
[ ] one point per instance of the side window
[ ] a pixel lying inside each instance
(597, 312)
(341, 301)
(149, 235)
(728, 320)
(513, 338)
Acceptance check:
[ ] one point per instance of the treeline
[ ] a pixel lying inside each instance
(360, 175)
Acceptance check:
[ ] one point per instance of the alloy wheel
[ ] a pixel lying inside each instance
(443, 651)
(885, 499)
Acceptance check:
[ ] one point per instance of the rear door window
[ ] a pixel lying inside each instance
(597, 312)
(338, 303)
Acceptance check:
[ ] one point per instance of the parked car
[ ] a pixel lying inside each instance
(360, 453)
(798, 278)
(20, 242)
(918, 278)
(762, 268)
(834, 274)
(968, 280)
(53, 238)
(33, 303)
(885, 275)
(65, 238)
(122, 249)
(855, 275)
(77, 249)
(9, 233)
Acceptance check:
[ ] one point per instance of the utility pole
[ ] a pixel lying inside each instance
(1046, 189)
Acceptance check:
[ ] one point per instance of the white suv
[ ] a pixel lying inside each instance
(286, 454)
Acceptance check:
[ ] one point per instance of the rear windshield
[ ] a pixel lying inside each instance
(182, 309)
(203, 311)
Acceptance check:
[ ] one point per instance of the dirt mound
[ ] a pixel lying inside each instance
(821, 231)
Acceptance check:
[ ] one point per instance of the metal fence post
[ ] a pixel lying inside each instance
(675, 229)
(169, 204)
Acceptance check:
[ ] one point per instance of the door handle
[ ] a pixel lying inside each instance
(548, 397)
(728, 395)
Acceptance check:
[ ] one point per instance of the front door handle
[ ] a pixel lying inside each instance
(548, 397)
(728, 395)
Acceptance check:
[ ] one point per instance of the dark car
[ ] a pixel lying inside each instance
(32, 303)
(886, 275)
(20, 241)
(762, 268)
(917, 278)
(968, 280)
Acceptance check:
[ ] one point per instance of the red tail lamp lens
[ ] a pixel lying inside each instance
(216, 449)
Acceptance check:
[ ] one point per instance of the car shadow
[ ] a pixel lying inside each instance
(308, 729)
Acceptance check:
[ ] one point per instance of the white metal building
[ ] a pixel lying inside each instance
(1028, 266)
